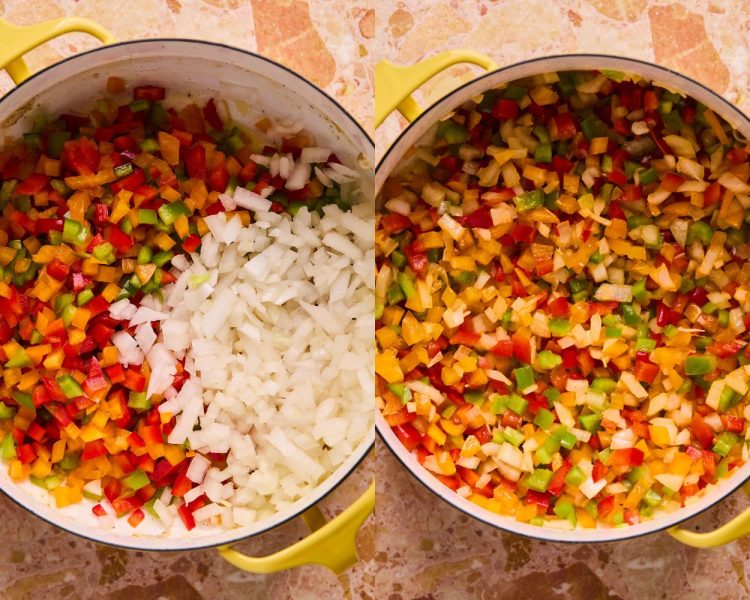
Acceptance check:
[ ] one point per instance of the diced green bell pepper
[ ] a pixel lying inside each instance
(699, 365)
(524, 377)
(529, 200)
(544, 419)
(539, 480)
(137, 480)
(69, 386)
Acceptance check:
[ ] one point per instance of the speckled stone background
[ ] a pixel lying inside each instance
(323, 40)
(425, 548)
(416, 547)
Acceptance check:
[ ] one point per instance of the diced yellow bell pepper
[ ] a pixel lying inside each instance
(54, 360)
(65, 496)
(109, 356)
(386, 365)
(81, 318)
(412, 330)
(164, 242)
(659, 435)
(437, 434)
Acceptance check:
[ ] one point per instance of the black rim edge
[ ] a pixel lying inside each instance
(369, 139)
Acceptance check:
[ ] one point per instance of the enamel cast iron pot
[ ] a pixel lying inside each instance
(252, 86)
(394, 86)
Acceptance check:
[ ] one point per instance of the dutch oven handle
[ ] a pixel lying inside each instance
(394, 84)
(735, 529)
(17, 41)
(332, 544)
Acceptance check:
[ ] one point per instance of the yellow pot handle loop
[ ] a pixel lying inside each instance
(17, 41)
(735, 529)
(394, 84)
(332, 544)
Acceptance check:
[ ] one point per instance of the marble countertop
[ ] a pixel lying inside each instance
(416, 546)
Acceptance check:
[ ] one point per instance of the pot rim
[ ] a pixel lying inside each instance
(505, 522)
(327, 486)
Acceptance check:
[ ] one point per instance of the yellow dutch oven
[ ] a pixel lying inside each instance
(200, 69)
(394, 86)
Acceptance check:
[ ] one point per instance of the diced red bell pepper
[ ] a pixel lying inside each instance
(558, 308)
(151, 434)
(182, 485)
(187, 517)
(523, 233)
(629, 457)
(605, 506)
(218, 179)
(130, 183)
(151, 93)
(120, 240)
(416, 257)
(101, 334)
(26, 453)
(557, 483)
(82, 155)
(58, 269)
(191, 243)
(632, 193)
(540, 499)
(671, 181)
(702, 432)
(97, 305)
(725, 349)
(599, 470)
(737, 156)
(195, 161)
(480, 218)
(521, 347)
(136, 517)
(505, 109)
(36, 432)
(466, 338)
(395, 223)
(112, 490)
(47, 225)
(666, 315)
(645, 371)
(33, 185)
(562, 165)
(94, 449)
(712, 195)
(503, 348)
(408, 435)
(617, 177)
(731, 423)
(126, 504)
(116, 373)
(565, 125)
(248, 172)
(212, 116)
(134, 381)
(98, 510)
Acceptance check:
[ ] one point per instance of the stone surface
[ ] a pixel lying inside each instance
(416, 546)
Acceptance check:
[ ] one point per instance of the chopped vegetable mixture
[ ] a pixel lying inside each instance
(562, 300)
(94, 209)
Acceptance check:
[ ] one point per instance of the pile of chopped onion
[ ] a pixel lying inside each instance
(274, 322)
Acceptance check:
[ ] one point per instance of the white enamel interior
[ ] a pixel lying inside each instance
(253, 87)
(412, 136)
